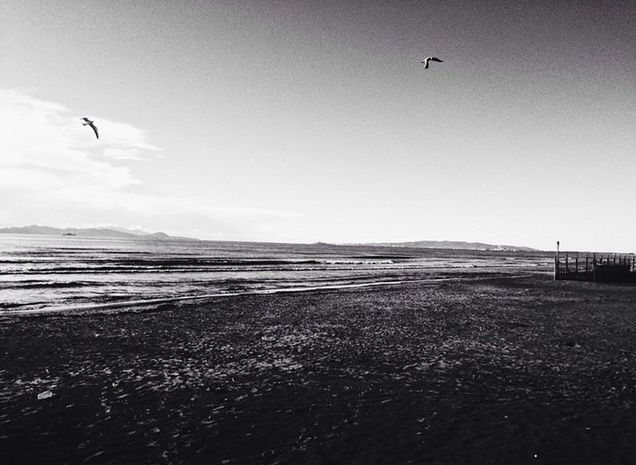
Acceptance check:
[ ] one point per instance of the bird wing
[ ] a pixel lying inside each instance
(436, 59)
(94, 129)
(85, 119)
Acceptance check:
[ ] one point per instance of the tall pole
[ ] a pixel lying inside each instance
(556, 263)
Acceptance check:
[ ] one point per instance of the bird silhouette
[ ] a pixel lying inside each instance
(91, 124)
(427, 59)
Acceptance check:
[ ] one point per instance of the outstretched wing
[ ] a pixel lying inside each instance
(436, 59)
(94, 129)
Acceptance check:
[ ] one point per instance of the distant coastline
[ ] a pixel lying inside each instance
(455, 245)
(106, 233)
(122, 233)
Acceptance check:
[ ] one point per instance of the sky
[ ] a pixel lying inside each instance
(303, 121)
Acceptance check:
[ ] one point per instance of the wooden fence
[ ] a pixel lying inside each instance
(586, 266)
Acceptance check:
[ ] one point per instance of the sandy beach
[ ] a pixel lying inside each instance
(483, 371)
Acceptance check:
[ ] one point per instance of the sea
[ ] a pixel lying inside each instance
(40, 273)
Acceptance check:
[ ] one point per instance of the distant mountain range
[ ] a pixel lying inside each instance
(458, 245)
(121, 233)
(114, 233)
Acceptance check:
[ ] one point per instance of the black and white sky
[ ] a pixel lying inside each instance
(305, 120)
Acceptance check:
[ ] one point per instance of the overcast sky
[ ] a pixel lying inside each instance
(315, 121)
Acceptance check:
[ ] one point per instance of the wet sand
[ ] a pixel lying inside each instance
(521, 370)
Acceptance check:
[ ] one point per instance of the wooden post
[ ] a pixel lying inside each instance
(587, 269)
(576, 266)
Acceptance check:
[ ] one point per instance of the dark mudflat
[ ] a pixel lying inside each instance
(487, 372)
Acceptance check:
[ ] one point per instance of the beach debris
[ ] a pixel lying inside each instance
(45, 395)
(427, 59)
(90, 123)
(92, 456)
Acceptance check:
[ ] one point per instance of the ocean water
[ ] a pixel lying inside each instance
(61, 272)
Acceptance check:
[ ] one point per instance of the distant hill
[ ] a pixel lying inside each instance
(114, 233)
(458, 245)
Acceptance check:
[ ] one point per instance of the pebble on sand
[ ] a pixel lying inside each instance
(45, 395)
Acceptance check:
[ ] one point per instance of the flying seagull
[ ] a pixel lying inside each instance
(91, 124)
(427, 59)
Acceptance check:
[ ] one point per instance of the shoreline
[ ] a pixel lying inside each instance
(136, 305)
